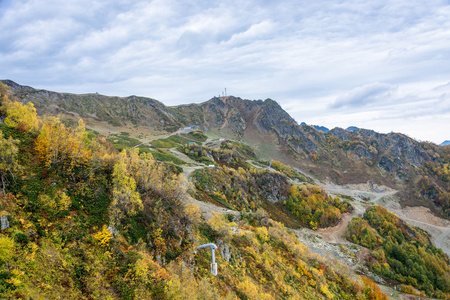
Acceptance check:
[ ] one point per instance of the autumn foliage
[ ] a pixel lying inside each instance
(314, 207)
(401, 252)
(88, 222)
(57, 144)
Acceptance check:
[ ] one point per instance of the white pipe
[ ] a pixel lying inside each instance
(213, 264)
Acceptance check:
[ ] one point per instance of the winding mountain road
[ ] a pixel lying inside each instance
(439, 234)
(442, 242)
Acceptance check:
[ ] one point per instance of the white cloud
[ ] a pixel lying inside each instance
(372, 94)
(372, 58)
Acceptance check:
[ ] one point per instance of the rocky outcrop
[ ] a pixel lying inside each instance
(339, 133)
(274, 118)
(405, 148)
(365, 152)
(273, 186)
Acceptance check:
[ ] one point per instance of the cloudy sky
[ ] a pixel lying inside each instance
(381, 64)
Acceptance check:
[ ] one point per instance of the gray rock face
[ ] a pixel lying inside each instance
(339, 133)
(363, 152)
(274, 118)
(387, 164)
(395, 167)
(4, 222)
(368, 134)
(404, 148)
(274, 187)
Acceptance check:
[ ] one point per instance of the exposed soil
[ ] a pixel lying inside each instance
(422, 217)
(336, 234)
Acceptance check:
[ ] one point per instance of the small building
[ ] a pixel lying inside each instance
(192, 127)
(223, 139)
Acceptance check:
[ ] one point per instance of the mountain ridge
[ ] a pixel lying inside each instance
(339, 155)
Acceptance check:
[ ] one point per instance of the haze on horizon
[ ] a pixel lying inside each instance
(382, 65)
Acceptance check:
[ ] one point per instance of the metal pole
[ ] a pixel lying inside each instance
(213, 263)
(213, 256)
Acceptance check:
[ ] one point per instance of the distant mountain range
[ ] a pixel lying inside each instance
(447, 142)
(325, 129)
(352, 128)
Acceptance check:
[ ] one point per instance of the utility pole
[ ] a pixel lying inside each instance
(225, 92)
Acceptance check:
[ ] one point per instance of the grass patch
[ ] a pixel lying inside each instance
(243, 149)
(197, 136)
(177, 140)
(170, 142)
(122, 141)
(163, 143)
(165, 156)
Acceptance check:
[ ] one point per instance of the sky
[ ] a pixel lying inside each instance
(381, 65)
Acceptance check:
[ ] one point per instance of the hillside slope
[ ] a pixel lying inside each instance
(118, 219)
(419, 170)
(80, 220)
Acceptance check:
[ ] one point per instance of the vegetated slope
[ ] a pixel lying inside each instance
(83, 221)
(401, 253)
(343, 156)
(236, 184)
(115, 111)
(419, 170)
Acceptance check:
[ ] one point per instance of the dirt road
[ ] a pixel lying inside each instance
(422, 217)
(336, 234)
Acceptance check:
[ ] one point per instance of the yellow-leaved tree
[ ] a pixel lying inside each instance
(5, 101)
(57, 143)
(23, 117)
(8, 159)
(4, 94)
(126, 199)
(6, 248)
(103, 237)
